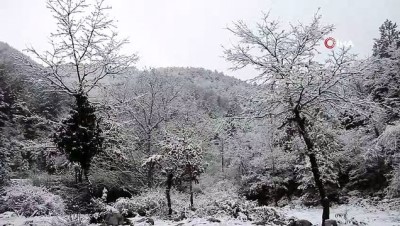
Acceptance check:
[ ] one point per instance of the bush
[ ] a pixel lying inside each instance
(3, 175)
(394, 187)
(220, 200)
(28, 200)
(149, 203)
(70, 220)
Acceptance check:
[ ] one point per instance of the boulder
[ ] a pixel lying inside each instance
(299, 223)
(114, 218)
(330, 222)
(141, 212)
(107, 218)
(266, 222)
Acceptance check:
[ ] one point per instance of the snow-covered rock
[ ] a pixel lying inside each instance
(8, 214)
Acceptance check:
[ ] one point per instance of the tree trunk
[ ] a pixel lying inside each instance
(78, 174)
(85, 171)
(314, 165)
(86, 174)
(150, 173)
(320, 186)
(191, 193)
(80, 177)
(168, 192)
(148, 143)
(222, 155)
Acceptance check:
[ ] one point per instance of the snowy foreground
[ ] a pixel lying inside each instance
(350, 214)
(346, 214)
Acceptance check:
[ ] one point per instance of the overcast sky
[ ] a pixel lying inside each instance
(191, 32)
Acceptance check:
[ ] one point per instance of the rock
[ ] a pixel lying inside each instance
(214, 220)
(108, 218)
(150, 221)
(141, 212)
(278, 222)
(299, 223)
(113, 218)
(330, 222)
(275, 222)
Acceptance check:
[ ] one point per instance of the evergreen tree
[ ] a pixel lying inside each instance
(389, 36)
(79, 136)
(384, 77)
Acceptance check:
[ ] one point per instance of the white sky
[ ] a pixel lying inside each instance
(191, 32)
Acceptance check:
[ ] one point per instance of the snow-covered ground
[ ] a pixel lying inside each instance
(198, 221)
(369, 214)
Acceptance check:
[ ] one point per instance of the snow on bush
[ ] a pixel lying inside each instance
(151, 203)
(70, 220)
(219, 201)
(28, 200)
(394, 186)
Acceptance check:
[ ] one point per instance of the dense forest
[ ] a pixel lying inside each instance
(90, 138)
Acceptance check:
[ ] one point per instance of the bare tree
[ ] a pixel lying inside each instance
(85, 47)
(144, 103)
(179, 159)
(299, 89)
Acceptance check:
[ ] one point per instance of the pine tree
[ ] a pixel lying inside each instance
(79, 136)
(383, 78)
(389, 36)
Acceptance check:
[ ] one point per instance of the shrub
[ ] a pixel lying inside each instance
(393, 189)
(220, 200)
(149, 203)
(28, 200)
(3, 175)
(70, 220)
(76, 196)
(344, 219)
